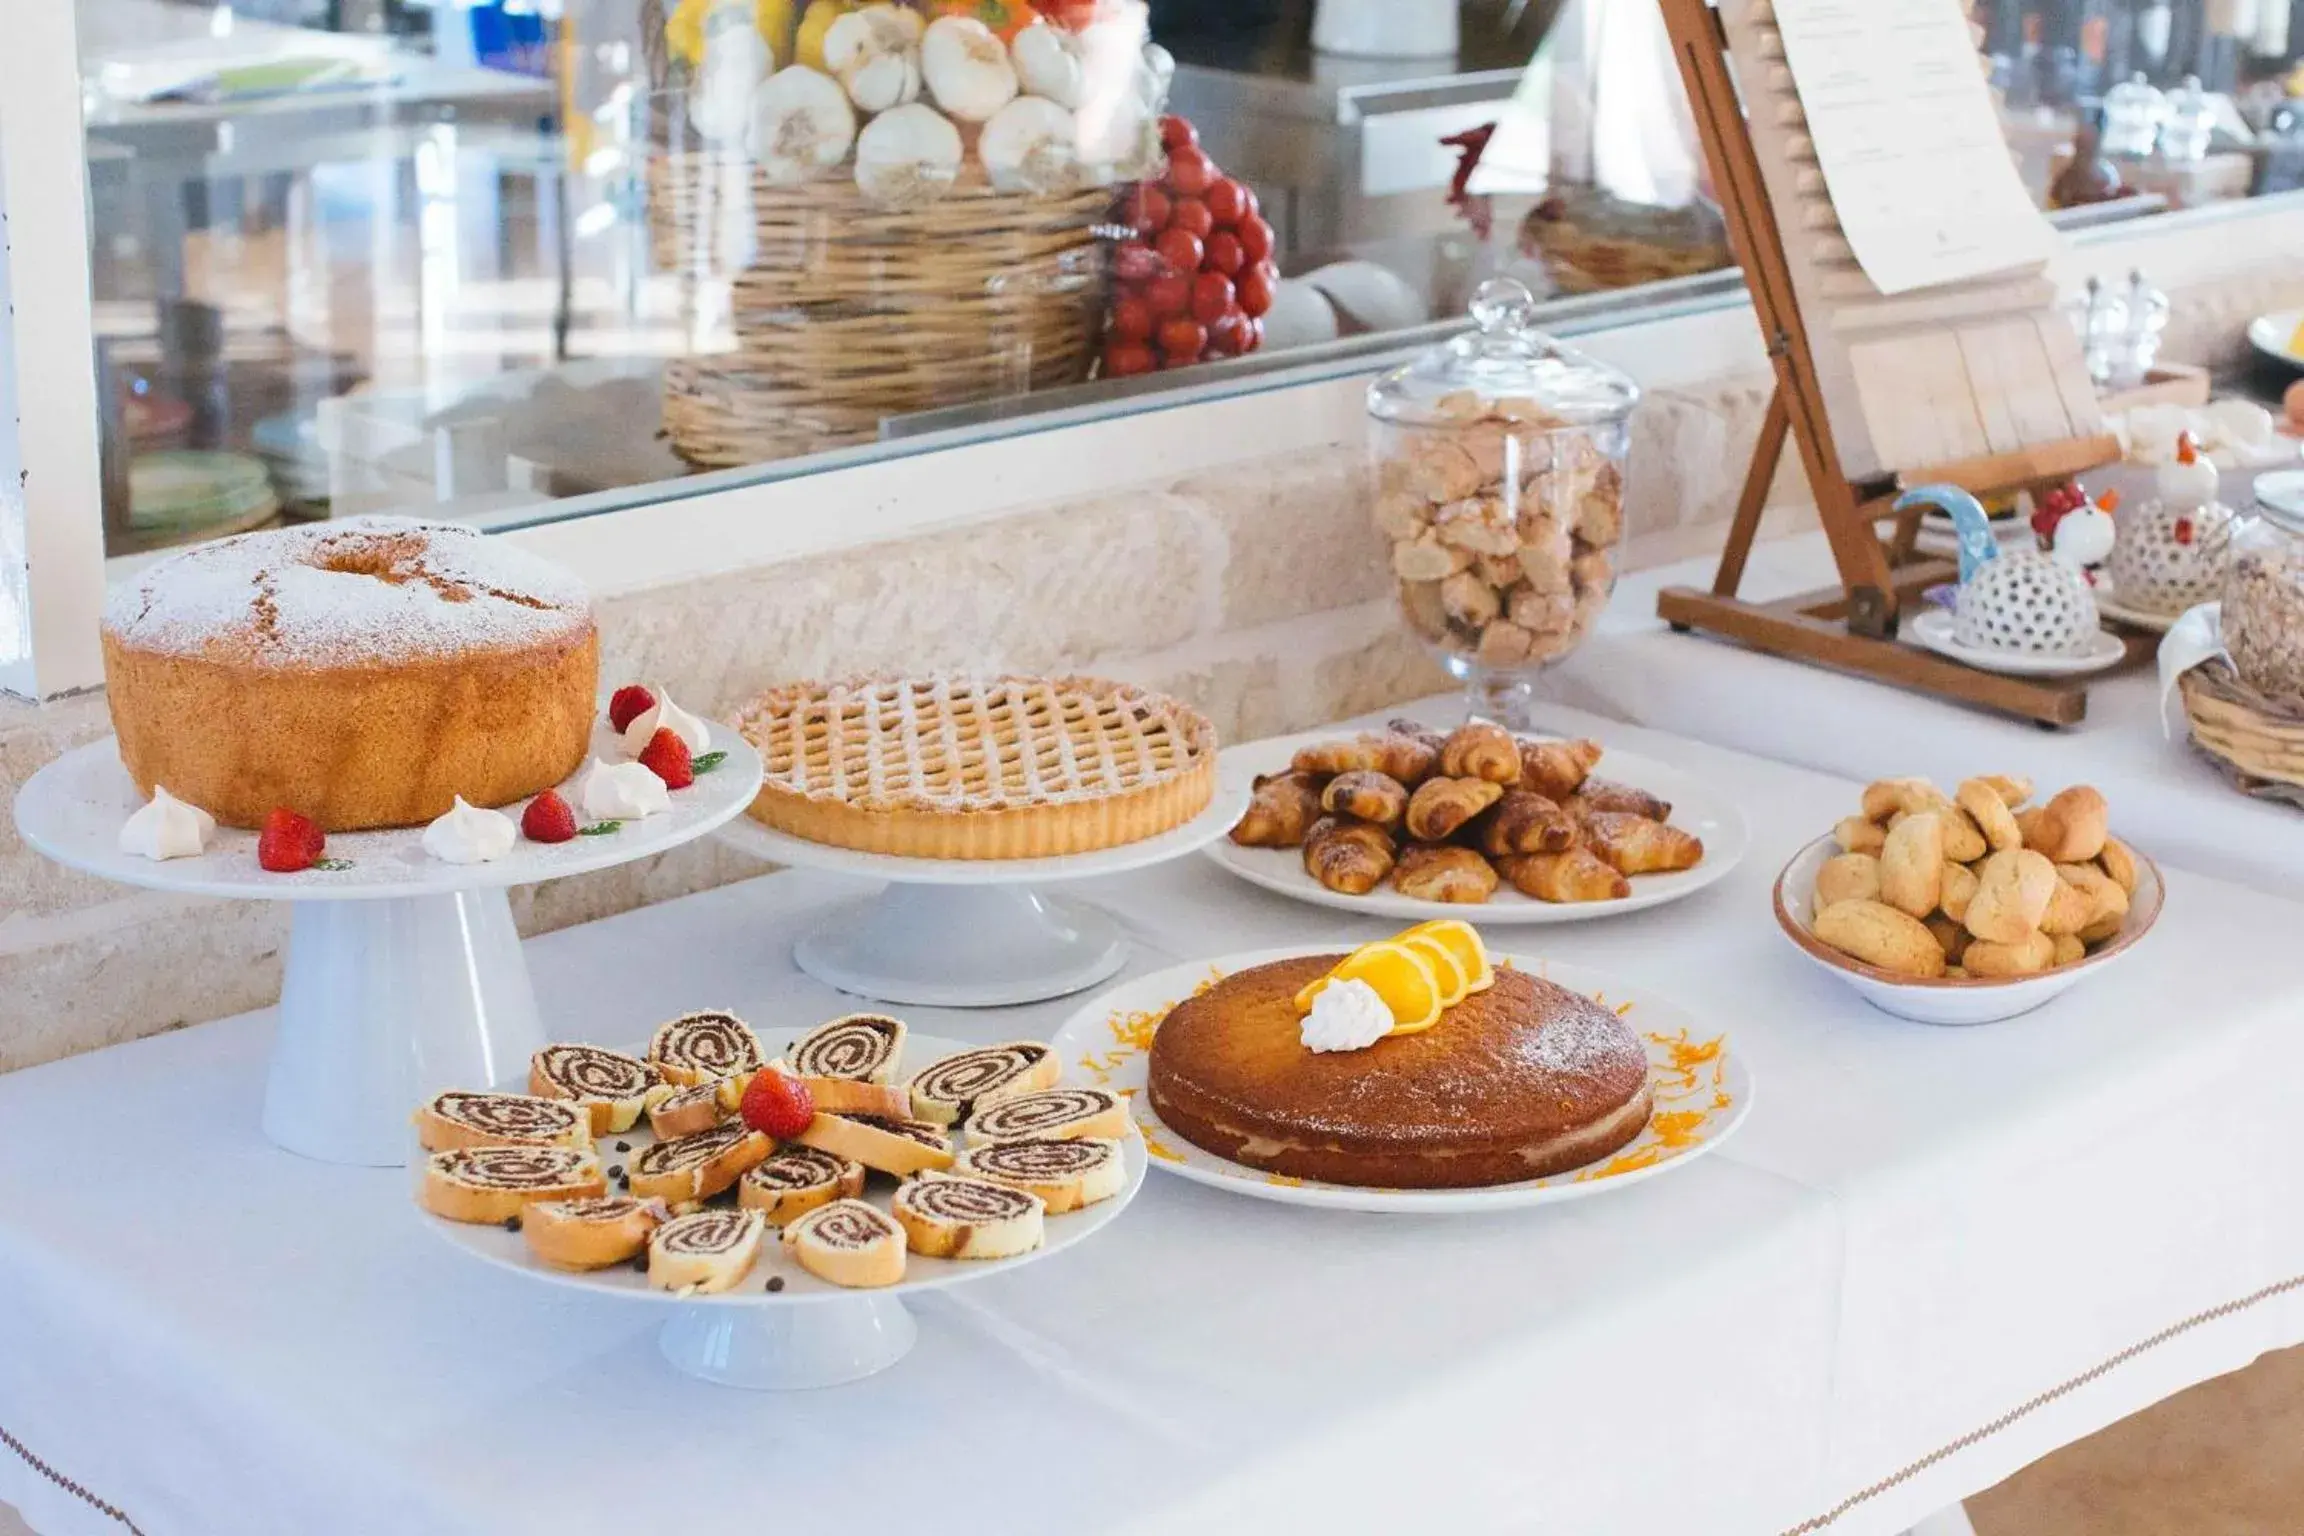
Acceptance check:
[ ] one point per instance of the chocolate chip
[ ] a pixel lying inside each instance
(623, 1146)
(615, 1170)
(775, 1282)
(640, 1263)
(511, 1223)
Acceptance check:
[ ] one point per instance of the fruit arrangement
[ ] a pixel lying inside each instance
(1195, 277)
(910, 97)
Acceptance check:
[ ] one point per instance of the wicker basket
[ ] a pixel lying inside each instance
(2258, 740)
(828, 313)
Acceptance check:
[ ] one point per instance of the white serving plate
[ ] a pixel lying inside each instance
(1950, 999)
(73, 809)
(1108, 1043)
(1696, 807)
(2272, 334)
(508, 1250)
(1933, 629)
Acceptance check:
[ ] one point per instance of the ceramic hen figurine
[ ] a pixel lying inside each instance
(2080, 533)
(2023, 600)
(2170, 556)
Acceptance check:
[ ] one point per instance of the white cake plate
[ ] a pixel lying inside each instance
(808, 1332)
(404, 974)
(973, 933)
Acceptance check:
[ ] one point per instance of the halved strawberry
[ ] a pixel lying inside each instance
(289, 842)
(628, 704)
(548, 819)
(666, 756)
(777, 1105)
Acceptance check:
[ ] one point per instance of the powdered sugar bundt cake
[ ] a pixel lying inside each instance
(364, 673)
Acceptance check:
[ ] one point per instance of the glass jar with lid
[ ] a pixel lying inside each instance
(2264, 598)
(1499, 463)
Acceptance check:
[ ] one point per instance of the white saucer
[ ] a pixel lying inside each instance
(2283, 492)
(2109, 605)
(1701, 1084)
(1933, 630)
(2273, 334)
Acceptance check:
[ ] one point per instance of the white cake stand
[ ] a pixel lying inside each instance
(404, 974)
(973, 933)
(808, 1332)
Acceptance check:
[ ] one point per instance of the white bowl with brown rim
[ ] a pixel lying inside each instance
(1950, 999)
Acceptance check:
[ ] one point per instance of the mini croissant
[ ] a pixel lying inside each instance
(1440, 807)
(1481, 749)
(1554, 769)
(1348, 856)
(1280, 812)
(1366, 795)
(1577, 875)
(1409, 758)
(1608, 795)
(1634, 845)
(1526, 822)
(1329, 758)
(1443, 872)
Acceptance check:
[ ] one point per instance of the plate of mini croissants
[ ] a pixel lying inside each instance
(1409, 821)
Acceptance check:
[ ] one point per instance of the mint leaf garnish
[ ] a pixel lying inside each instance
(708, 762)
(600, 829)
(332, 865)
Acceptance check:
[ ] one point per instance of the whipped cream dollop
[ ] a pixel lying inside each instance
(1346, 1016)
(470, 834)
(665, 715)
(624, 791)
(167, 828)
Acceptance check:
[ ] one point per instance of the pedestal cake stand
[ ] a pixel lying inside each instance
(973, 933)
(808, 1332)
(404, 974)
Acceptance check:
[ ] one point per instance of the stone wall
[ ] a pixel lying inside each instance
(1259, 593)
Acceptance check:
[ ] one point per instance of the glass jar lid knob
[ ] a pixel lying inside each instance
(1502, 305)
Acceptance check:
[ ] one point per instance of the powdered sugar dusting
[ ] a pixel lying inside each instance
(384, 589)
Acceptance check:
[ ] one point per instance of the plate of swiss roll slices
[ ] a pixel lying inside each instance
(707, 1166)
(1411, 822)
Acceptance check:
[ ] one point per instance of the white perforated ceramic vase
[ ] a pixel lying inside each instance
(2027, 602)
(2168, 559)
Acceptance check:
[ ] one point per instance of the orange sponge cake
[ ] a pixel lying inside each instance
(363, 673)
(1516, 1082)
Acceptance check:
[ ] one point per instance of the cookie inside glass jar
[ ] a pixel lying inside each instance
(1499, 463)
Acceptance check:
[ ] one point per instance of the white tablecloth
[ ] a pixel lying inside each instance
(1918, 1231)
(2165, 796)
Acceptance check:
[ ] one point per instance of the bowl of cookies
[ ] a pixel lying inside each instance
(1972, 907)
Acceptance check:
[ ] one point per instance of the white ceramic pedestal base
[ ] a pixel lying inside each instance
(384, 1002)
(784, 1349)
(946, 946)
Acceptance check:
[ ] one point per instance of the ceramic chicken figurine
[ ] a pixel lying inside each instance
(2078, 532)
(2024, 600)
(2170, 555)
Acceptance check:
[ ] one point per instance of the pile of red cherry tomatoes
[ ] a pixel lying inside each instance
(1194, 280)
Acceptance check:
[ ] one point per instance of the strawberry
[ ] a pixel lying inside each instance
(777, 1105)
(628, 704)
(289, 842)
(548, 819)
(666, 756)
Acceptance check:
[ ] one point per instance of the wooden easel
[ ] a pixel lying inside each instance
(1853, 627)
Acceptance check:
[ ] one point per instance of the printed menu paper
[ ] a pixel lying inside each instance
(1908, 137)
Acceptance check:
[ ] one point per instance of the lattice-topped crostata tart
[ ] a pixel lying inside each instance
(978, 768)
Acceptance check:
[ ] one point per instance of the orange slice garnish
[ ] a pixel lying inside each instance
(1461, 942)
(1446, 968)
(1403, 977)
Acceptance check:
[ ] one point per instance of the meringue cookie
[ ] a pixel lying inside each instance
(667, 716)
(167, 828)
(467, 834)
(624, 791)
